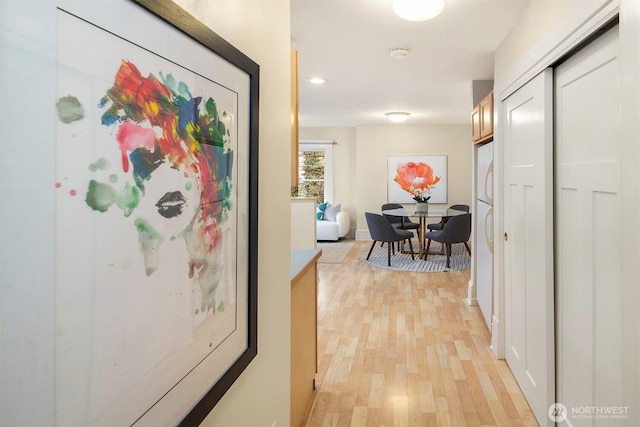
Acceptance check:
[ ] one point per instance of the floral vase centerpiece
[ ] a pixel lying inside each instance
(418, 180)
(422, 204)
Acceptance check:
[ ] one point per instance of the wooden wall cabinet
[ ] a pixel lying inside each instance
(482, 120)
(475, 123)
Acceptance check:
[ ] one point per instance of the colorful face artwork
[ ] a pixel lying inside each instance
(174, 151)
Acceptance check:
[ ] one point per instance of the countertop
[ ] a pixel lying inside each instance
(301, 259)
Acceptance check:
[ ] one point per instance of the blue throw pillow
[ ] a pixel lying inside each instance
(320, 211)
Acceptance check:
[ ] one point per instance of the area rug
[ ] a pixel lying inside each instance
(460, 260)
(334, 252)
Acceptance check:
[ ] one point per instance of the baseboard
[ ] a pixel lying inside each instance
(471, 299)
(352, 233)
(363, 234)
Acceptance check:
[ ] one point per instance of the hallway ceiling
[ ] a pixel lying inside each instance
(348, 42)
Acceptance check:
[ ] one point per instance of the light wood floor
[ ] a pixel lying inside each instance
(404, 349)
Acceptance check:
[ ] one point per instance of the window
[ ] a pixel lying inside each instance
(315, 170)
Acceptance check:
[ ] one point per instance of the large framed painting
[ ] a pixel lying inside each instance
(155, 215)
(411, 176)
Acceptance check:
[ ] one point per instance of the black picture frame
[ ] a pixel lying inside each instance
(177, 17)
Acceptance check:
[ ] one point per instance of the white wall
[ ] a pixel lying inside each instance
(360, 162)
(543, 26)
(260, 29)
(539, 18)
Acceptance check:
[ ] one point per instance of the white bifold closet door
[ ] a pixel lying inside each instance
(528, 246)
(588, 231)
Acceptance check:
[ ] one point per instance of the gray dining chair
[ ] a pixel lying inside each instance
(398, 222)
(382, 231)
(403, 223)
(440, 225)
(456, 230)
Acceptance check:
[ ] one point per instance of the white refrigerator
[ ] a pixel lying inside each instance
(484, 230)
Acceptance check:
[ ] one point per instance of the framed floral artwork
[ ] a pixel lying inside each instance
(156, 215)
(417, 178)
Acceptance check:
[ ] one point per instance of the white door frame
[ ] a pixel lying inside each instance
(630, 190)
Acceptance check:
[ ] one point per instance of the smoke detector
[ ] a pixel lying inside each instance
(399, 52)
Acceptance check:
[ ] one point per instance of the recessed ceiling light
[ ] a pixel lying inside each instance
(418, 10)
(399, 52)
(317, 80)
(397, 116)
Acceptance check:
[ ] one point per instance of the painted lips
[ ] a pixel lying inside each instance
(171, 204)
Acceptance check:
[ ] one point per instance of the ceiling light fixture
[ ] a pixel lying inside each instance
(399, 52)
(317, 80)
(418, 10)
(397, 116)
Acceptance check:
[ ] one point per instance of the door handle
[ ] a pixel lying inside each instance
(485, 222)
(506, 237)
(486, 182)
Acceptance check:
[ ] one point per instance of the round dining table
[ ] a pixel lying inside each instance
(432, 212)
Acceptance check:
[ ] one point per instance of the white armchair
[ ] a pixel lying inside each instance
(334, 225)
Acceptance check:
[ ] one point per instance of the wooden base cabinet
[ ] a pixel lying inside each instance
(304, 332)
